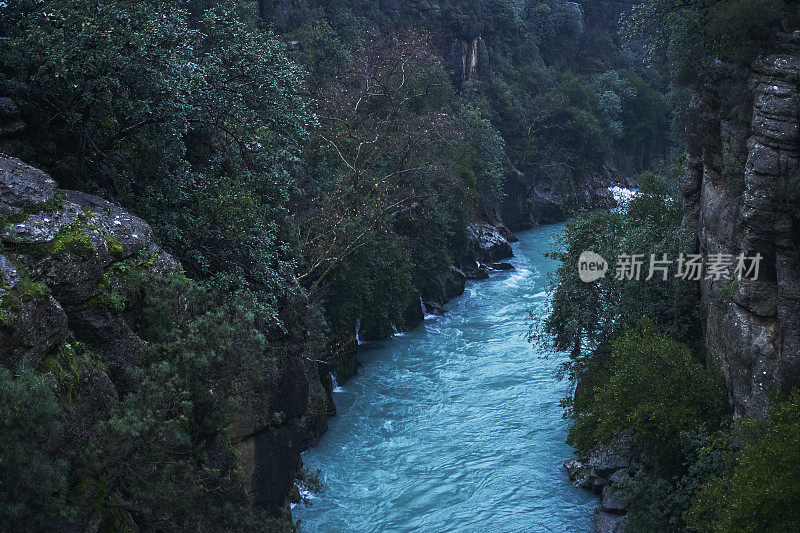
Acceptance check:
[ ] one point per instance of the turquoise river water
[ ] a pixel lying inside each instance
(455, 426)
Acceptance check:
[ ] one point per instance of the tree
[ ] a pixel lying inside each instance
(33, 472)
(654, 390)
(694, 35)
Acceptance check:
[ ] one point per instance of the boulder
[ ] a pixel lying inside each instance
(610, 504)
(618, 476)
(432, 308)
(487, 244)
(37, 326)
(413, 315)
(475, 271)
(606, 460)
(42, 227)
(502, 267)
(605, 522)
(445, 286)
(22, 186)
(133, 233)
(578, 473)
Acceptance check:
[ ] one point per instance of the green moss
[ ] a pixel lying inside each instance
(121, 282)
(65, 362)
(729, 289)
(114, 247)
(52, 204)
(71, 240)
(25, 291)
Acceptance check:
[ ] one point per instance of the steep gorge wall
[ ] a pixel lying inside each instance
(739, 198)
(52, 287)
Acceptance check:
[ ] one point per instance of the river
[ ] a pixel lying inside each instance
(455, 426)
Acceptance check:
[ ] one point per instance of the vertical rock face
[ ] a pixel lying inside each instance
(51, 285)
(740, 201)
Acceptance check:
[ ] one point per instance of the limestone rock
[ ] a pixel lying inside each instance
(610, 504)
(22, 186)
(736, 203)
(9, 277)
(487, 243)
(446, 286)
(38, 325)
(41, 227)
(133, 233)
(605, 522)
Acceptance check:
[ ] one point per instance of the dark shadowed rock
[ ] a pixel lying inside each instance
(445, 286)
(579, 473)
(605, 522)
(432, 308)
(605, 460)
(736, 204)
(502, 267)
(413, 314)
(475, 271)
(9, 277)
(38, 325)
(610, 504)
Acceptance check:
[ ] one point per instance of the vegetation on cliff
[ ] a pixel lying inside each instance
(312, 166)
(646, 385)
(309, 172)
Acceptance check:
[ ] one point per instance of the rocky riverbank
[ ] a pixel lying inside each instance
(605, 468)
(59, 248)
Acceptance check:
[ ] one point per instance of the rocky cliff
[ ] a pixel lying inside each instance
(741, 193)
(63, 258)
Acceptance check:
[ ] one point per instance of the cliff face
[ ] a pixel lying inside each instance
(739, 195)
(60, 253)
(537, 197)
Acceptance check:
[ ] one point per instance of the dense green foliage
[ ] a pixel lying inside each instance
(697, 35)
(586, 317)
(29, 436)
(155, 454)
(641, 387)
(653, 391)
(192, 116)
(191, 125)
(312, 170)
(635, 348)
(758, 490)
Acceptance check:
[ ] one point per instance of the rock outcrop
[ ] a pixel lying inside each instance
(606, 467)
(56, 248)
(741, 192)
(534, 198)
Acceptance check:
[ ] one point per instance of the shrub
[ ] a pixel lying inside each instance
(654, 391)
(33, 473)
(759, 490)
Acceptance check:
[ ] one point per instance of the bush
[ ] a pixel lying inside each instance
(759, 490)
(33, 470)
(655, 390)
